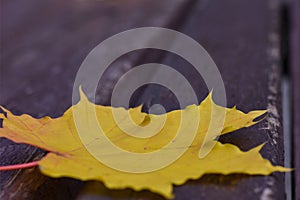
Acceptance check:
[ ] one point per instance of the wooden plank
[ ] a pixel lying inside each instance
(245, 47)
(42, 46)
(244, 52)
(243, 39)
(295, 62)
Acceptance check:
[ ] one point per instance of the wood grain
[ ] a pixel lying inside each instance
(42, 47)
(246, 49)
(295, 69)
(44, 43)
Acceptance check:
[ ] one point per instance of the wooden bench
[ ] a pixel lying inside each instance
(295, 69)
(43, 44)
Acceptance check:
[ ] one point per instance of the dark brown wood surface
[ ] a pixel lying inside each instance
(245, 47)
(42, 47)
(43, 44)
(295, 62)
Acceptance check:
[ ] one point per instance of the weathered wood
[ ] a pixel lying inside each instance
(295, 63)
(243, 39)
(42, 47)
(246, 48)
(41, 56)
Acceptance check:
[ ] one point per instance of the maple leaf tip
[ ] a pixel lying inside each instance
(256, 114)
(4, 109)
(259, 147)
(284, 169)
(2, 116)
(83, 97)
(208, 98)
(210, 94)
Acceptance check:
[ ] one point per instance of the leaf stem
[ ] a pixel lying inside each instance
(19, 166)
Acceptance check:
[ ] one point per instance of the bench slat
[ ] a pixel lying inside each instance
(42, 47)
(295, 62)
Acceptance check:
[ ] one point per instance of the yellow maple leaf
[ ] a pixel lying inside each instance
(118, 147)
